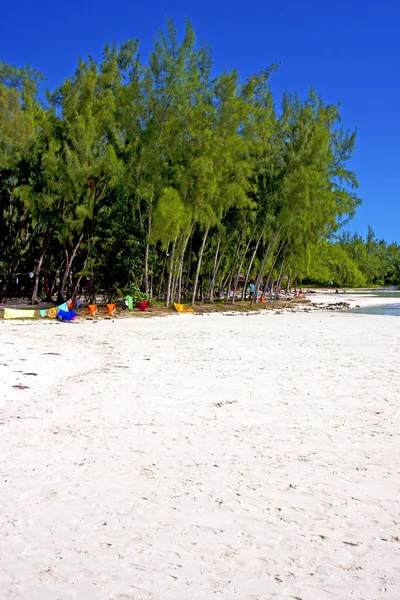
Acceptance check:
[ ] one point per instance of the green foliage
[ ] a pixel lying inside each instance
(163, 175)
(332, 263)
(120, 247)
(378, 261)
(136, 295)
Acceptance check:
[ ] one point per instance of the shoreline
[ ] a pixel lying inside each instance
(354, 301)
(317, 300)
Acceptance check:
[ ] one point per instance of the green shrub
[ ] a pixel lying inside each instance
(136, 294)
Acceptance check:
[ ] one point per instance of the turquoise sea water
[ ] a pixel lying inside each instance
(384, 309)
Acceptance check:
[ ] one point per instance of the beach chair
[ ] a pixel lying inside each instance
(143, 305)
(92, 310)
(182, 309)
(129, 302)
(111, 309)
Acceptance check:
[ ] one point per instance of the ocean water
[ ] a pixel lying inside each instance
(383, 309)
(378, 293)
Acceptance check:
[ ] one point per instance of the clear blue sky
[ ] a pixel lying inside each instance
(348, 50)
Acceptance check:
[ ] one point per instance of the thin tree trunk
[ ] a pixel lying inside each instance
(221, 254)
(228, 291)
(52, 285)
(176, 276)
(214, 273)
(174, 286)
(263, 267)
(223, 284)
(68, 265)
(93, 298)
(288, 285)
(264, 263)
(189, 265)
(163, 271)
(180, 269)
(199, 265)
(180, 281)
(246, 281)
(146, 254)
(239, 269)
(268, 282)
(46, 279)
(46, 242)
(167, 300)
(234, 265)
(78, 281)
(278, 283)
(220, 287)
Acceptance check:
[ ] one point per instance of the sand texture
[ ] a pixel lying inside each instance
(198, 457)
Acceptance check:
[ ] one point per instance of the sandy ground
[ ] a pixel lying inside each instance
(197, 457)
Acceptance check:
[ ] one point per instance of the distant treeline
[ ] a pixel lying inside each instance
(162, 178)
(353, 261)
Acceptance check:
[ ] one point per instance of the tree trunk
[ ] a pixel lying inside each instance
(268, 282)
(167, 300)
(52, 285)
(162, 272)
(288, 285)
(234, 266)
(214, 273)
(199, 265)
(278, 283)
(46, 279)
(146, 254)
(61, 285)
(221, 254)
(69, 259)
(239, 269)
(221, 287)
(246, 281)
(232, 274)
(92, 294)
(78, 281)
(173, 287)
(180, 269)
(223, 284)
(46, 242)
(264, 263)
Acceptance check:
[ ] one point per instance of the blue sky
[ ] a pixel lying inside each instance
(348, 50)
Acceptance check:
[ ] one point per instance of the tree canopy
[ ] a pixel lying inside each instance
(180, 183)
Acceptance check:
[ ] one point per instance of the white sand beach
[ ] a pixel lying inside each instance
(201, 456)
(363, 300)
